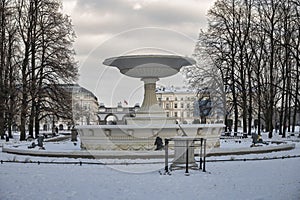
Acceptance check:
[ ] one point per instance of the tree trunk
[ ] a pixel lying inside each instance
(250, 101)
(2, 68)
(37, 120)
(290, 108)
(31, 119)
(259, 108)
(296, 95)
(23, 118)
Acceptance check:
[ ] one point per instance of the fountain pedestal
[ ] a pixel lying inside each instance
(149, 68)
(150, 112)
(150, 104)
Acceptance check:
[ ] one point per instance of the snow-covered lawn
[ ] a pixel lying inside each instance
(267, 179)
(274, 179)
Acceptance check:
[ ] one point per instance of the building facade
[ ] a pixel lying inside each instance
(116, 115)
(85, 106)
(178, 103)
(84, 110)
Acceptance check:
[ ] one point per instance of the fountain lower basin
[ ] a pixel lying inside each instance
(140, 138)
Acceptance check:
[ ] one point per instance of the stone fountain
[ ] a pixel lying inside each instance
(139, 132)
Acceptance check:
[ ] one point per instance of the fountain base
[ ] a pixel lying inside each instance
(138, 137)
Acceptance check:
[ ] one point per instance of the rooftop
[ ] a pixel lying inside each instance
(175, 90)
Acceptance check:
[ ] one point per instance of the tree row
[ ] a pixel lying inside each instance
(36, 56)
(251, 52)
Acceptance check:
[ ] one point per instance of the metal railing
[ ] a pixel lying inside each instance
(202, 153)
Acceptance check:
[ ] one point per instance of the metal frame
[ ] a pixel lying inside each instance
(202, 154)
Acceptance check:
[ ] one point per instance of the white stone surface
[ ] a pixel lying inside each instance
(138, 137)
(181, 144)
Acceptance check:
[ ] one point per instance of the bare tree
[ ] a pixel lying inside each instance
(57, 58)
(3, 8)
(206, 78)
(296, 57)
(8, 69)
(25, 27)
(12, 74)
(223, 38)
(41, 44)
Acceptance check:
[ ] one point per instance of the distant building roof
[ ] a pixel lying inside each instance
(175, 90)
(78, 88)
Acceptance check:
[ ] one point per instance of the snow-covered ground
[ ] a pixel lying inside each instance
(266, 179)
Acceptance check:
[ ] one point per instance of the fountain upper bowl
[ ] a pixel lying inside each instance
(144, 66)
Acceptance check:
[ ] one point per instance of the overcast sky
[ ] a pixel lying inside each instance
(108, 28)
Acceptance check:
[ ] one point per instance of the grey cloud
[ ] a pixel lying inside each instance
(107, 28)
(156, 39)
(118, 15)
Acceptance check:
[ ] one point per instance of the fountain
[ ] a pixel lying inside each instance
(139, 132)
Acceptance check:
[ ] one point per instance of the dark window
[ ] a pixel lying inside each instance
(167, 106)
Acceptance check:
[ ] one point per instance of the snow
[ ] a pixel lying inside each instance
(275, 179)
(140, 179)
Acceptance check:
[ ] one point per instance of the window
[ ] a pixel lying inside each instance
(168, 114)
(167, 106)
(167, 99)
(77, 106)
(175, 105)
(175, 114)
(86, 106)
(187, 105)
(181, 105)
(175, 98)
